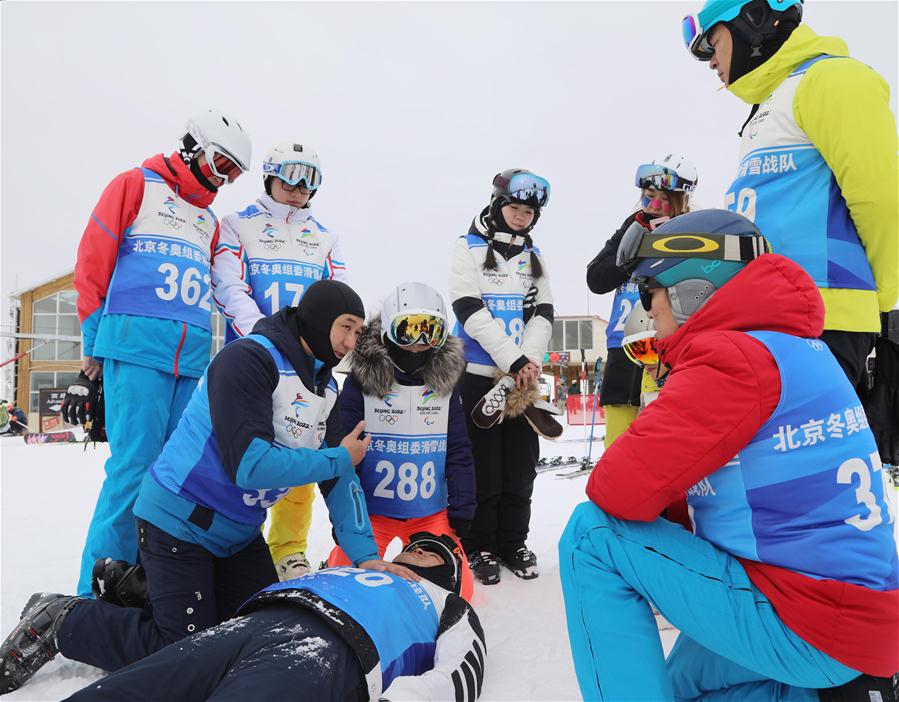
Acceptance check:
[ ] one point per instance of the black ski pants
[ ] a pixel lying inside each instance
(505, 463)
(274, 654)
(190, 589)
(851, 349)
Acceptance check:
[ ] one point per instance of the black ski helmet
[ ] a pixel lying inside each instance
(518, 185)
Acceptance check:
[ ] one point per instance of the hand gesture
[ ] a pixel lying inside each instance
(389, 567)
(527, 376)
(356, 446)
(91, 367)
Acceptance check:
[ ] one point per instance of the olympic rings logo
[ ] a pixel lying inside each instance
(387, 418)
(173, 223)
(294, 430)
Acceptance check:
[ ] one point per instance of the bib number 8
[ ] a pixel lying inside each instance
(408, 485)
(514, 329)
(190, 288)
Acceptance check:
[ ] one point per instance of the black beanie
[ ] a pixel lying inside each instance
(445, 575)
(323, 303)
(742, 60)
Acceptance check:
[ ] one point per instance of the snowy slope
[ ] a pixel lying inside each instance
(47, 495)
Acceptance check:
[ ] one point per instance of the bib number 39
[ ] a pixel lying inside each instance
(189, 288)
(409, 485)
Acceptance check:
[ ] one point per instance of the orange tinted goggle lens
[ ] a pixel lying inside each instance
(642, 352)
(224, 167)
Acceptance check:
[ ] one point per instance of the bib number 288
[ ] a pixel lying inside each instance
(409, 485)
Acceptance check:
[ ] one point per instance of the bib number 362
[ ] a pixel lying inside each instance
(189, 286)
(409, 484)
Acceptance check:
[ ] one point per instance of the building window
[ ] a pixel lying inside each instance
(47, 379)
(56, 315)
(572, 335)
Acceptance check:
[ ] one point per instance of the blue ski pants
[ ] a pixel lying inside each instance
(732, 645)
(143, 406)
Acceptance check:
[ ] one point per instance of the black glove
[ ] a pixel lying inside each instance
(80, 401)
(460, 526)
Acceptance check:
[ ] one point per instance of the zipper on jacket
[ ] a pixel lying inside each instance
(180, 346)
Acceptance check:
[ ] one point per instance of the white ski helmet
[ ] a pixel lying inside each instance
(413, 313)
(293, 163)
(214, 134)
(671, 172)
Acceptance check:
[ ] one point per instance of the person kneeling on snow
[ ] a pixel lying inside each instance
(338, 634)
(418, 473)
(259, 423)
(789, 588)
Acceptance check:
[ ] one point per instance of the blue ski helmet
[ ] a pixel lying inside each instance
(756, 20)
(691, 256)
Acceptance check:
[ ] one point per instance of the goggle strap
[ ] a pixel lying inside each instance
(726, 247)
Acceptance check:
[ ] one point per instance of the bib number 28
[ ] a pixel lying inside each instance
(409, 484)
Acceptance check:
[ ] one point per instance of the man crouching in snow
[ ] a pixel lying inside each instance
(788, 589)
(337, 634)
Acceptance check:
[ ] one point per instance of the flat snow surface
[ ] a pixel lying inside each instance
(47, 496)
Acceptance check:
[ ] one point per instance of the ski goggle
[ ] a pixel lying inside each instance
(695, 38)
(221, 164)
(638, 242)
(525, 187)
(295, 172)
(642, 349)
(651, 175)
(417, 327)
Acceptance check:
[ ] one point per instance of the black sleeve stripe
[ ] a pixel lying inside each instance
(475, 624)
(546, 311)
(469, 682)
(464, 307)
(457, 683)
(476, 645)
(472, 660)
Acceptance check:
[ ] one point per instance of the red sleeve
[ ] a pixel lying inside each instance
(726, 385)
(97, 253)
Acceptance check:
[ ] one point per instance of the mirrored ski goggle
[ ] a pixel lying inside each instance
(294, 173)
(642, 350)
(651, 175)
(408, 328)
(222, 164)
(524, 187)
(696, 38)
(638, 242)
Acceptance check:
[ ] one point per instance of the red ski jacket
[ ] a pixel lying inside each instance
(723, 386)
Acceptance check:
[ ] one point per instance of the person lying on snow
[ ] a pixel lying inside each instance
(338, 634)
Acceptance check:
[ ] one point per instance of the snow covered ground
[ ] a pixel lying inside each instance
(47, 495)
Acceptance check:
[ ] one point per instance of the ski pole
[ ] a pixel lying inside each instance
(595, 400)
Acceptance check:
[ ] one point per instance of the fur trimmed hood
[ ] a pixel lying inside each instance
(375, 372)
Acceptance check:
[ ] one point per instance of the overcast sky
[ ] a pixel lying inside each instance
(413, 107)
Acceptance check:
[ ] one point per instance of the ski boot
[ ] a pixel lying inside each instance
(119, 582)
(864, 688)
(484, 567)
(33, 642)
(522, 562)
(293, 566)
(556, 461)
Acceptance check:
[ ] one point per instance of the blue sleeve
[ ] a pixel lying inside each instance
(460, 480)
(349, 517)
(241, 379)
(352, 404)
